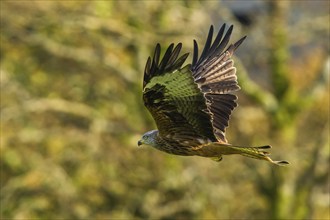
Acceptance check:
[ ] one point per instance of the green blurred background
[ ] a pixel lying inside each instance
(72, 111)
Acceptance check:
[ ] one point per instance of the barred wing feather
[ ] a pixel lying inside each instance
(173, 98)
(194, 102)
(215, 74)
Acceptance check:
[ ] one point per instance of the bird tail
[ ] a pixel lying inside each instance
(252, 152)
(258, 153)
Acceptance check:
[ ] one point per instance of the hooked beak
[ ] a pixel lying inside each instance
(139, 143)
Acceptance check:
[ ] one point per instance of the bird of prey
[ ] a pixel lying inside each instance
(191, 105)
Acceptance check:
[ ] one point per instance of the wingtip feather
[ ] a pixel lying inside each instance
(239, 42)
(195, 56)
(282, 163)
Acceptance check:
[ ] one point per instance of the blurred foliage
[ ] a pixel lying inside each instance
(71, 112)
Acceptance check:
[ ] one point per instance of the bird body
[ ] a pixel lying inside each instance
(191, 105)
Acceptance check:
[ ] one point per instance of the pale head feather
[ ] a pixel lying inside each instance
(149, 138)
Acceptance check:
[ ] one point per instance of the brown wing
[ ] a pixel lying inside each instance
(215, 74)
(173, 98)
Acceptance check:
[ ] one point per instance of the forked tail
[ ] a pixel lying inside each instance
(258, 153)
(217, 149)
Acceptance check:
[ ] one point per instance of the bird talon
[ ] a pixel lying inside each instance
(217, 159)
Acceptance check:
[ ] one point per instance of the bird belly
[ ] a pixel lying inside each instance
(176, 149)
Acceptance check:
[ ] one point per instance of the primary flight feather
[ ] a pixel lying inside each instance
(191, 105)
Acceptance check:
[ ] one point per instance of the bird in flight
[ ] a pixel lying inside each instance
(191, 105)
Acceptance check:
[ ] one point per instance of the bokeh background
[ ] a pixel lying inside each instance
(72, 112)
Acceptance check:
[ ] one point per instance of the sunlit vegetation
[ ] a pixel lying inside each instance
(72, 112)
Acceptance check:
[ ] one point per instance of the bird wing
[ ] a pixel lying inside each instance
(215, 74)
(173, 98)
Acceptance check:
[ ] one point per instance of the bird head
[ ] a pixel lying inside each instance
(149, 138)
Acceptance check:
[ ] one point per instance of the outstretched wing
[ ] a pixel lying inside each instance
(215, 74)
(173, 98)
